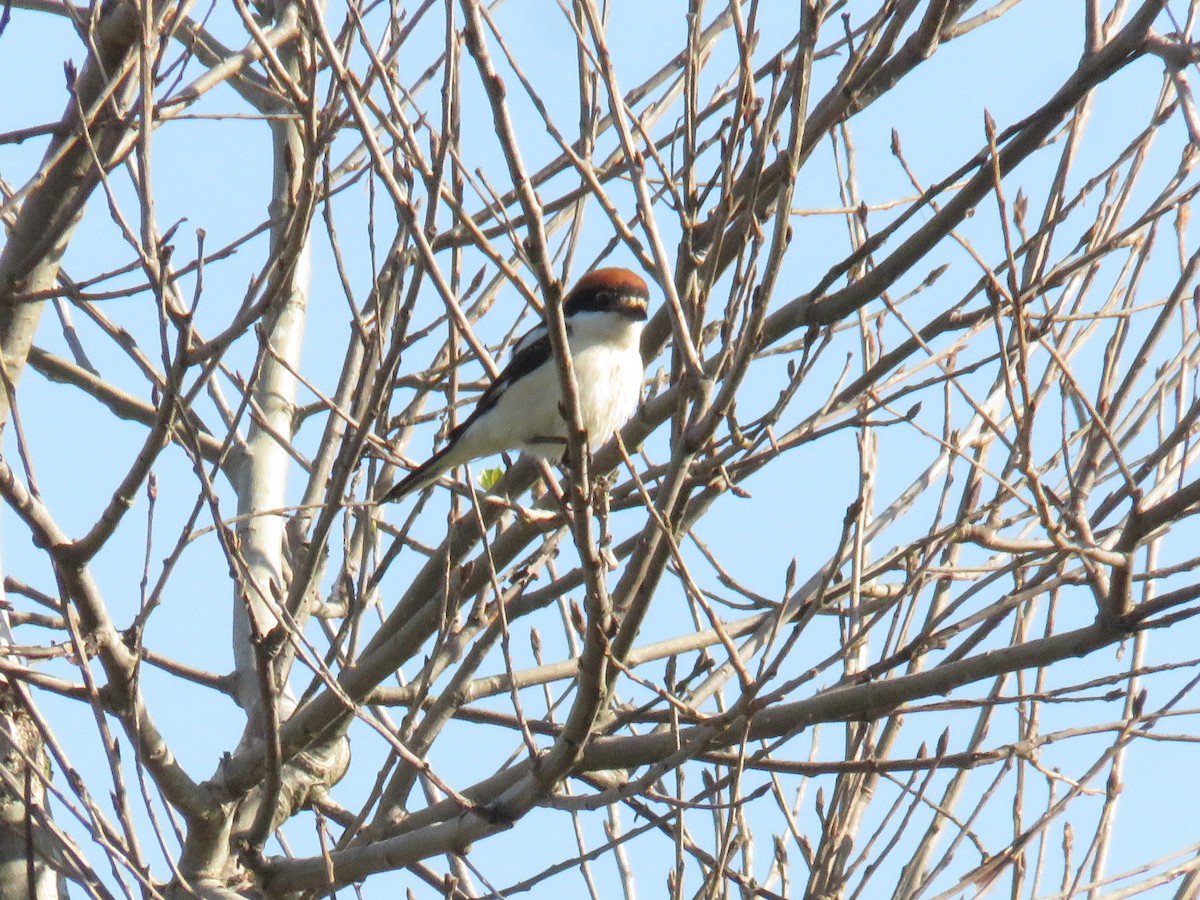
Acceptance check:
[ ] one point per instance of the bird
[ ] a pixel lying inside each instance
(522, 409)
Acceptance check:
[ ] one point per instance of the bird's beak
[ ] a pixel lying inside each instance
(636, 308)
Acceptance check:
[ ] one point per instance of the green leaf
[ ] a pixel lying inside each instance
(489, 477)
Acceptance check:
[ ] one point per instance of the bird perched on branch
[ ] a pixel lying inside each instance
(523, 408)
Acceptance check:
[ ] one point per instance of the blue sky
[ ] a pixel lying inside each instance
(214, 175)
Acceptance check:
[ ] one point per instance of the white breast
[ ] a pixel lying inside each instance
(608, 366)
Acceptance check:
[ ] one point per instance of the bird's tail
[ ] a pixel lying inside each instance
(422, 476)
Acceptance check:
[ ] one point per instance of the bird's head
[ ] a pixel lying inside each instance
(611, 290)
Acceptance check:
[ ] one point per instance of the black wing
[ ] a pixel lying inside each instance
(531, 352)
